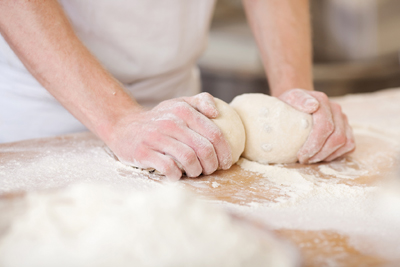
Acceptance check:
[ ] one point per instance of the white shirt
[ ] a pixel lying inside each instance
(151, 46)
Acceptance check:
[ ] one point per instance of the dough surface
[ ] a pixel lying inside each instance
(232, 127)
(274, 130)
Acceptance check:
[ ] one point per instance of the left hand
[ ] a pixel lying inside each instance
(331, 136)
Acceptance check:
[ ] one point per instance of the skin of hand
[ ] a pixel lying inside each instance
(174, 136)
(331, 136)
(176, 132)
(282, 31)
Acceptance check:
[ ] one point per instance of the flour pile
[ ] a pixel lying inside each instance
(99, 225)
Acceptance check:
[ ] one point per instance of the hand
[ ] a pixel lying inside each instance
(331, 136)
(175, 136)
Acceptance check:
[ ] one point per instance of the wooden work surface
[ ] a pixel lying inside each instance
(55, 162)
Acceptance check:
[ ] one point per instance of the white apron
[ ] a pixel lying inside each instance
(151, 46)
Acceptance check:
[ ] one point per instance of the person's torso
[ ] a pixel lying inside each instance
(151, 46)
(139, 39)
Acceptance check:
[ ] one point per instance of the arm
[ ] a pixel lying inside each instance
(40, 34)
(282, 31)
(176, 131)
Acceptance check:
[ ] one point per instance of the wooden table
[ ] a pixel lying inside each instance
(311, 217)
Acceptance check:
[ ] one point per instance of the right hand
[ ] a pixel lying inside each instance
(176, 134)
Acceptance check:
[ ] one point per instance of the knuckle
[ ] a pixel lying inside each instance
(169, 124)
(206, 151)
(294, 94)
(188, 158)
(215, 136)
(151, 134)
(297, 91)
(290, 95)
(204, 95)
(180, 107)
(321, 96)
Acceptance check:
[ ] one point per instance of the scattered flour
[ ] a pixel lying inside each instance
(367, 214)
(101, 225)
(344, 172)
(291, 183)
(215, 184)
(277, 174)
(75, 158)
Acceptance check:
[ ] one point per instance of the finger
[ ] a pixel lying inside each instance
(202, 147)
(206, 128)
(348, 147)
(323, 127)
(301, 100)
(162, 163)
(336, 140)
(183, 154)
(204, 103)
(167, 166)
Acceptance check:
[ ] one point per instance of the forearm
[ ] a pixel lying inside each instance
(282, 32)
(42, 37)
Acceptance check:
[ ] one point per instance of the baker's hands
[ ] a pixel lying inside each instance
(331, 136)
(175, 136)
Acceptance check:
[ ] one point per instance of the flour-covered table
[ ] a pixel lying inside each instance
(343, 213)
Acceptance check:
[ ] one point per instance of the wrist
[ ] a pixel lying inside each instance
(276, 92)
(114, 117)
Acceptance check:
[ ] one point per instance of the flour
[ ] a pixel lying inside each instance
(367, 214)
(215, 184)
(100, 225)
(378, 110)
(344, 172)
(344, 196)
(291, 182)
(276, 174)
(77, 158)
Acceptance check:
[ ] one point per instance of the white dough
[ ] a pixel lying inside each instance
(232, 127)
(99, 225)
(274, 130)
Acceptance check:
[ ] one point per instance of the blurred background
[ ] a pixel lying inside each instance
(356, 46)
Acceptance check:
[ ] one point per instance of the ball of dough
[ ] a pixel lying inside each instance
(232, 128)
(275, 131)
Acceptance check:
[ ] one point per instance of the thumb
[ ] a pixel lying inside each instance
(301, 100)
